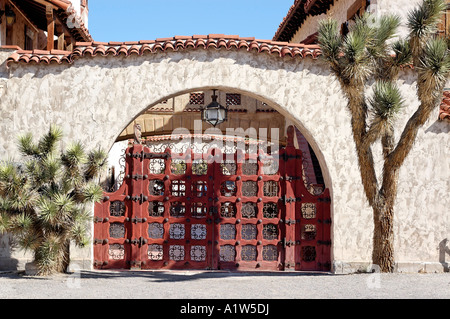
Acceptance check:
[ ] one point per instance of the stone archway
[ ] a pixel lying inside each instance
(164, 224)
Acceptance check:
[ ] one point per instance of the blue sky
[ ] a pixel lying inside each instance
(133, 20)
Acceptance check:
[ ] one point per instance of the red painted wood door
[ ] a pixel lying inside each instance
(213, 211)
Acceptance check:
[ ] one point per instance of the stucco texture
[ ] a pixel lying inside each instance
(95, 98)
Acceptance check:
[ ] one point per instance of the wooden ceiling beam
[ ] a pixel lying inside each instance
(46, 3)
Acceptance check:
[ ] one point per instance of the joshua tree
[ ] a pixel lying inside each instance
(369, 52)
(45, 201)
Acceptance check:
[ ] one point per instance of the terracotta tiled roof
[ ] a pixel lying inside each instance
(40, 56)
(178, 43)
(71, 18)
(297, 14)
(67, 12)
(444, 113)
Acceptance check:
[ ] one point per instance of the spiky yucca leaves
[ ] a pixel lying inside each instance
(434, 66)
(45, 202)
(386, 103)
(366, 53)
(422, 24)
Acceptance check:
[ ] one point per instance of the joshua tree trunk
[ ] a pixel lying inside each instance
(383, 238)
(364, 53)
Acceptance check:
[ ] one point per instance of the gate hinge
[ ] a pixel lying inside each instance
(138, 220)
(98, 263)
(324, 242)
(288, 243)
(285, 200)
(290, 222)
(136, 264)
(100, 241)
(292, 178)
(326, 221)
(155, 156)
(325, 200)
(285, 157)
(288, 265)
(141, 198)
(144, 155)
(140, 242)
(98, 220)
(137, 177)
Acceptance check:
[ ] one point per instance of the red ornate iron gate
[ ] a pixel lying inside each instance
(213, 211)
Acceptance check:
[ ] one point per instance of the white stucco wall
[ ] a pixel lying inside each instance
(94, 99)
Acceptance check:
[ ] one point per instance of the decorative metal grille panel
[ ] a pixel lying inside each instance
(249, 188)
(228, 189)
(178, 188)
(198, 232)
(176, 252)
(271, 189)
(177, 231)
(228, 168)
(116, 252)
(156, 231)
(117, 209)
(198, 253)
(117, 230)
(270, 253)
(233, 99)
(250, 168)
(178, 167)
(249, 210)
(309, 210)
(177, 209)
(227, 231)
(270, 232)
(156, 188)
(197, 99)
(155, 252)
(228, 210)
(227, 253)
(249, 232)
(156, 209)
(270, 210)
(249, 253)
(157, 166)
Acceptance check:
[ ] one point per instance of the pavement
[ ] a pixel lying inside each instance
(198, 285)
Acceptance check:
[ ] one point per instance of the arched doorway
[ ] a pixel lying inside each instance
(211, 200)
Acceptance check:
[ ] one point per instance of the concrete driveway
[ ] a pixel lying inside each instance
(224, 285)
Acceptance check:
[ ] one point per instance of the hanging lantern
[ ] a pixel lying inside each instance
(214, 114)
(10, 17)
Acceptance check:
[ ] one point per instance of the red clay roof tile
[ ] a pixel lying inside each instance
(444, 112)
(177, 43)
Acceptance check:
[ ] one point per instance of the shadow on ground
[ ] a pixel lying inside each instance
(179, 276)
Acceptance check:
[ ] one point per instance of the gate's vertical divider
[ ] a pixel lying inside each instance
(259, 210)
(136, 193)
(240, 159)
(300, 192)
(168, 218)
(282, 208)
(145, 202)
(215, 211)
(289, 199)
(100, 250)
(325, 207)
